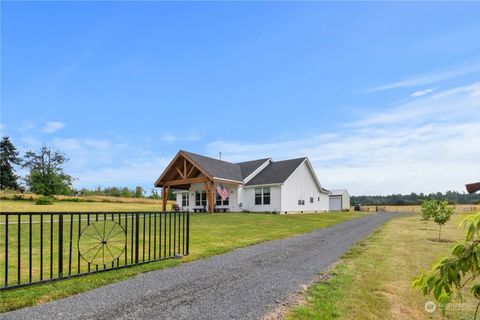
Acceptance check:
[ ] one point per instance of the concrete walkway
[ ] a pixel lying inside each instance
(246, 283)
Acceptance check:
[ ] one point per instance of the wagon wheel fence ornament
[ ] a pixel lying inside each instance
(102, 242)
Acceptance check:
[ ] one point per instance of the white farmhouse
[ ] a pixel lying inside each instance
(339, 200)
(263, 185)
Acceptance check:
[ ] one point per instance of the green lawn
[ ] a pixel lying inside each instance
(211, 234)
(373, 280)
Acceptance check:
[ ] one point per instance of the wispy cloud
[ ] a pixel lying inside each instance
(429, 78)
(420, 93)
(425, 145)
(171, 138)
(52, 126)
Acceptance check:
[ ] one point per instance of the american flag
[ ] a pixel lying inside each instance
(222, 192)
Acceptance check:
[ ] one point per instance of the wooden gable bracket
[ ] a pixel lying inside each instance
(180, 173)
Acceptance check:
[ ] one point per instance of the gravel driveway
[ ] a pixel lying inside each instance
(246, 283)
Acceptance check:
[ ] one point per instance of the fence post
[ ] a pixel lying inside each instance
(137, 227)
(188, 231)
(60, 245)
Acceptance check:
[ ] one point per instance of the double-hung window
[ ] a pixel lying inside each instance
(219, 202)
(200, 198)
(262, 196)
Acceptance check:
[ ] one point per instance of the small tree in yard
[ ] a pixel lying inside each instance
(428, 208)
(8, 158)
(450, 275)
(439, 211)
(442, 215)
(46, 175)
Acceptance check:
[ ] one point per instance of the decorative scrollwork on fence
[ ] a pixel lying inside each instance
(102, 242)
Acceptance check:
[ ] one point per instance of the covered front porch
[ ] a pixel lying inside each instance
(183, 173)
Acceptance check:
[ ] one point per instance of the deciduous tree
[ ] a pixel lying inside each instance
(46, 174)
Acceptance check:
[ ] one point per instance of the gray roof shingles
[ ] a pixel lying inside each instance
(276, 172)
(248, 167)
(217, 168)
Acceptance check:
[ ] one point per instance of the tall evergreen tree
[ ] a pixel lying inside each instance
(9, 157)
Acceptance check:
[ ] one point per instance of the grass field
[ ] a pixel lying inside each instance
(373, 281)
(66, 206)
(211, 234)
(31, 196)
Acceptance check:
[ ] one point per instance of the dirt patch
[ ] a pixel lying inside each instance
(299, 298)
(441, 240)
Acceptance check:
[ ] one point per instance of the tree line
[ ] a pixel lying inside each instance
(46, 175)
(453, 197)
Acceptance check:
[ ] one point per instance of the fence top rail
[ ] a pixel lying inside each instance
(15, 213)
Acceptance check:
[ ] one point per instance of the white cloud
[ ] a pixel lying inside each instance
(170, 138)
(135, 171)
(459, 101)
(426, 79)
(53, 126)
(429, 144)
(420, 93)
(31, 142)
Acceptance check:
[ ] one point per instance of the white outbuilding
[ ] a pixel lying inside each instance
(339, 200)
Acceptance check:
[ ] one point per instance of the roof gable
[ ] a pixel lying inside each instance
(248, 167)
(338, 192)
(276, 172)
(217, 168)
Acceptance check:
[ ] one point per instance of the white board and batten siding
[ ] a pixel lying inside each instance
(301, 185)
(248, 198)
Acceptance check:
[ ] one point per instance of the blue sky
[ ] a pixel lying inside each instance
(382, 97)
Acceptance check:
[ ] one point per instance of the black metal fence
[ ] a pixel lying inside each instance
(40, 247)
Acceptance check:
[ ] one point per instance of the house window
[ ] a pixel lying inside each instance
(258, 196)
(301, 198)
(219, 202)
(200, 198)
(318, 199)
(262, 196)
(311, 199)
(185, 200)
(266, 195)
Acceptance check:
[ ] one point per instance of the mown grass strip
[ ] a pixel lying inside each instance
(373, 280)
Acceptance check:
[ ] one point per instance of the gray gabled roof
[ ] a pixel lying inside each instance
(248, 167)
(338, 192)
(276, 172)
(217, 168)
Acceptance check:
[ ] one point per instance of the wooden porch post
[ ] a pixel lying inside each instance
(212, 197)
(209, 190)
(165, 190)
